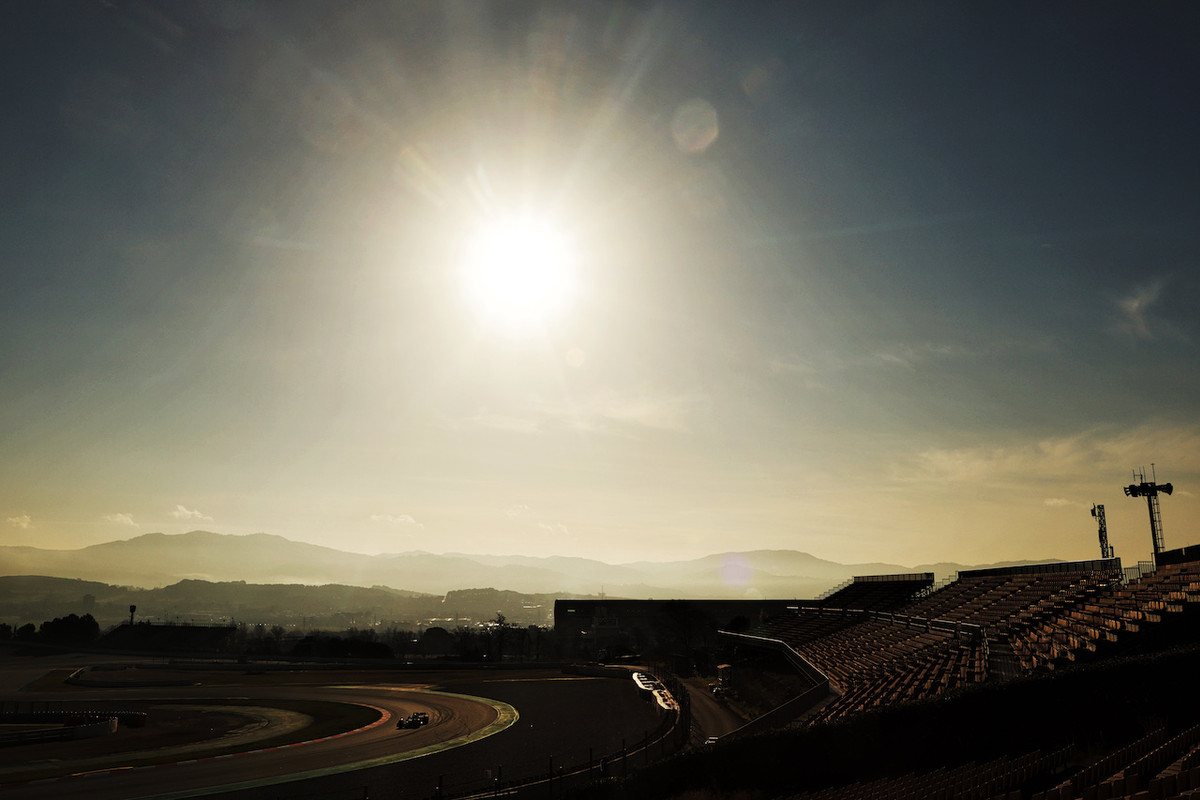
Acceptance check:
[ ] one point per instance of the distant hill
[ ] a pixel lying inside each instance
(159, 560)
(26, 598)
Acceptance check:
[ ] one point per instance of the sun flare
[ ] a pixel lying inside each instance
(519, 273)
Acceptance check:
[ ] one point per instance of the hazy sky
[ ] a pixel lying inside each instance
(878, 281)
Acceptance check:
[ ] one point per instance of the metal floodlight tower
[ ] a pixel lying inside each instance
(1106, 550)
(1149, 490)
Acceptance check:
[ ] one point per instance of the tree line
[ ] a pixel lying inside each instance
(71, 629)
(494, 641)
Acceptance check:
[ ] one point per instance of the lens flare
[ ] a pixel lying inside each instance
(694, 126)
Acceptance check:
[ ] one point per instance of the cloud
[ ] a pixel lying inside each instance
(1101, 451)
(517, 510)
(121, 519)
(909, 356)
(663, 412)
(397, 519)
(1059, 502)
(889, 355)
(558, 529)
(606, 411)
(183, 513)
(781, 366)
(23, 521)
(1135, 319)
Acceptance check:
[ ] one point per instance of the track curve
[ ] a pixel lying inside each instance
(351, 748)
(455, 720)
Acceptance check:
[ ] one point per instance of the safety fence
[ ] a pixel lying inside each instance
(797, 706)
(62, 725)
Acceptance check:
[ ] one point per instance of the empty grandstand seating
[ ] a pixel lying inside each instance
(1100, 613)
(1006, 621)
(876, 659)
(880, 592)
(994, 778)
(1155, 766)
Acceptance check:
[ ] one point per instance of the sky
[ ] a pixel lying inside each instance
(878, 281)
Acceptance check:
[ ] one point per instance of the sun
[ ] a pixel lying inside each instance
(519, 273)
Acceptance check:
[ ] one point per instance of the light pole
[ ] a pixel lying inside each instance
(1149, 489)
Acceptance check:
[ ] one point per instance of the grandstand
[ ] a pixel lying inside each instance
(877, 591)
(999, 623)
(1156, 765)
(1055, 681)
(879, 643)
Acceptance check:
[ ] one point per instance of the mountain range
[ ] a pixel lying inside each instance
(34, 599)
(157, 559)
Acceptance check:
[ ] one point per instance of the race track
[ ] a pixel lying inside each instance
(484, 726)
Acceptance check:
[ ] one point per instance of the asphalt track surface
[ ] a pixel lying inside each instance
(484, 726)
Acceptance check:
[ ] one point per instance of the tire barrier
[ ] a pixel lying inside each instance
(65, 725)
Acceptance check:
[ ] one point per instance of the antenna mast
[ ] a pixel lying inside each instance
(1106, 550)
(1150, 489)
